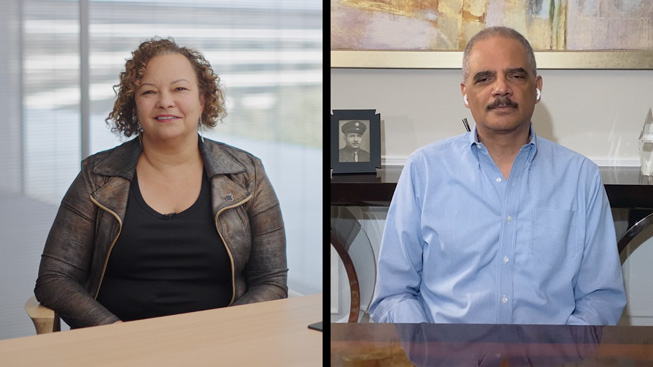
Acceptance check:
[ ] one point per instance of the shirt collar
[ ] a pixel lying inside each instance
(531, 146)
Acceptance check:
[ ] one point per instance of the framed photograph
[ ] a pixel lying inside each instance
(355, 141)
(565, 34)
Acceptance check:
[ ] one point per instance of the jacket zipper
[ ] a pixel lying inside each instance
(106, 261)
(224, 243)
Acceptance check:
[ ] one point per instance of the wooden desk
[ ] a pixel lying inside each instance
(489, 345)
(625, 187)
(271, 333)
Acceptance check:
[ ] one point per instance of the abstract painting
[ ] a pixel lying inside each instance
(447, 25)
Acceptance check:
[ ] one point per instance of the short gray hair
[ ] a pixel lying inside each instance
(498, 32)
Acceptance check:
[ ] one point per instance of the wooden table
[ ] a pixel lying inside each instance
(273, 333)
(490, 345)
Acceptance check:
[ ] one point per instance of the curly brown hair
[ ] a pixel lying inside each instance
(123, 118)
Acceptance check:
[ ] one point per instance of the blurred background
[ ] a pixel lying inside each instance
(59, 60)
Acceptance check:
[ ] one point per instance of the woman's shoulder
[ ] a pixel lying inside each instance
(230, 149)
(218, 148)
(222, 158)
(116, 161)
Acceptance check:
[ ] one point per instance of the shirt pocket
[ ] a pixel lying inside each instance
(553, 236)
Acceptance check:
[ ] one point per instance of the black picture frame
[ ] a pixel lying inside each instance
(367, 121)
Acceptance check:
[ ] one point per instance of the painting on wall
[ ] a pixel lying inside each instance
(602, 29)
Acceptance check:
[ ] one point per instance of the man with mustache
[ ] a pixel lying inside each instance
(353, 135)
(499, 225)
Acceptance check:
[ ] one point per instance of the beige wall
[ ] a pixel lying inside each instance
(598, 113)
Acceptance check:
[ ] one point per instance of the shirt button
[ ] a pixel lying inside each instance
(509, 218)
(504, 299)
(498, 179)
(506, 259)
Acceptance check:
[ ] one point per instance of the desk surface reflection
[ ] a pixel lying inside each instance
(489, 345)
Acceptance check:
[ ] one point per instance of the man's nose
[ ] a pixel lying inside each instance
(501, 87)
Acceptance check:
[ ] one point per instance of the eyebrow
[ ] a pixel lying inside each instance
(489, 73)
(516, 70)
(174, 82)
(483, 74)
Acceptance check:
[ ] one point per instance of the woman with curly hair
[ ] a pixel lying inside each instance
(168, 222)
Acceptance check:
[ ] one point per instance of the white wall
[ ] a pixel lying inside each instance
(598, 113)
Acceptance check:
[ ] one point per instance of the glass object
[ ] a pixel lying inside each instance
(646, 146)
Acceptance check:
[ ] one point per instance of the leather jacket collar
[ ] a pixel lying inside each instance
(122, 162)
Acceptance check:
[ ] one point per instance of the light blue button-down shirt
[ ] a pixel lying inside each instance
(464, 245)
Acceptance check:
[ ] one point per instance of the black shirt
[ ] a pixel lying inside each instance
(166, 264)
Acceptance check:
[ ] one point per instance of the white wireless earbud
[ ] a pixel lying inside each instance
(538, 95)
(465, 99)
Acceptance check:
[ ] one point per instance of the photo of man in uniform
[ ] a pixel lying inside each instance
(353, 132)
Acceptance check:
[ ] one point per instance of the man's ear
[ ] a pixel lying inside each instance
(463, 90)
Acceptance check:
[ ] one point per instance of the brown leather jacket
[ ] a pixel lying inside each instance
(89, 220)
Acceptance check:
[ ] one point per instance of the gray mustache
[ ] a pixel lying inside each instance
(501, 102)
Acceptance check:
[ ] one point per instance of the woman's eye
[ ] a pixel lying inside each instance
(147, 92)
(180, 89)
